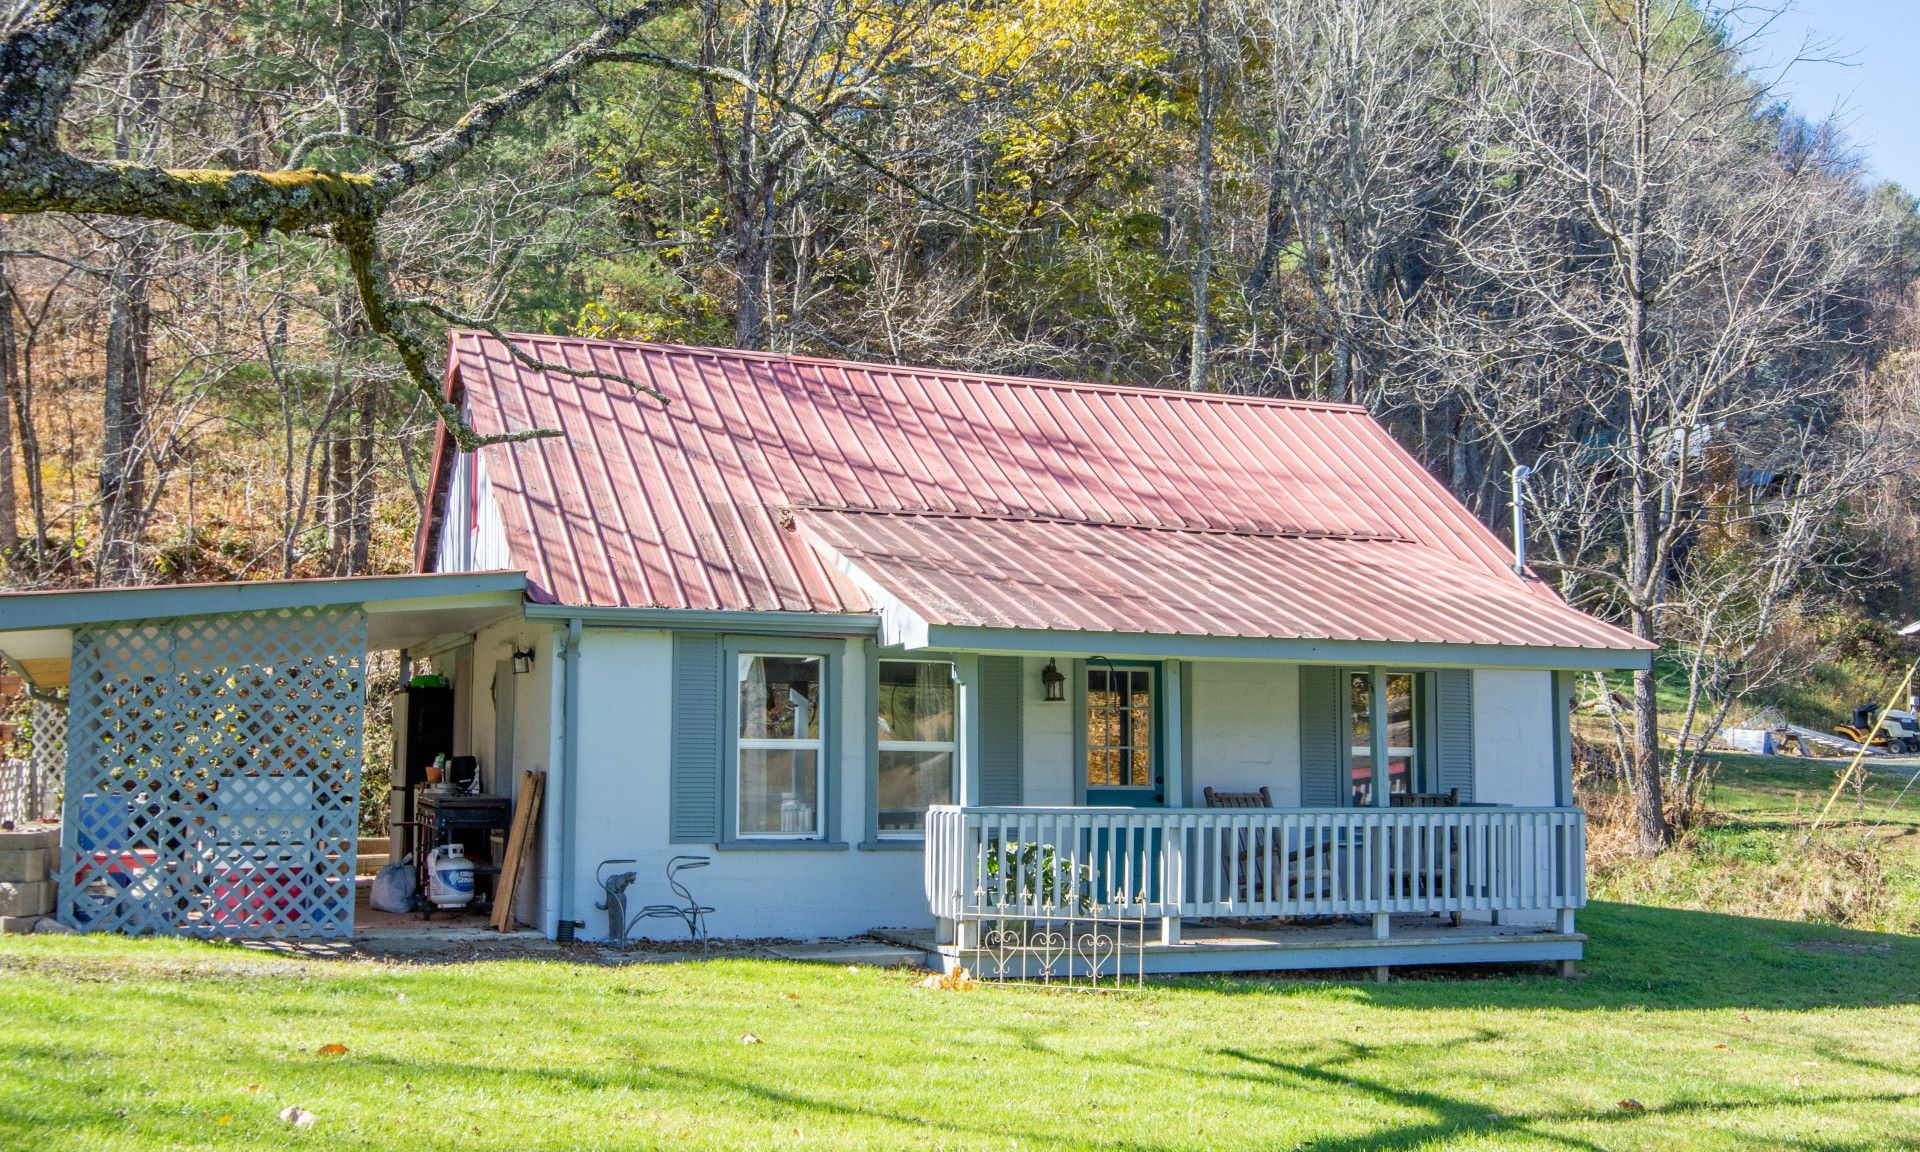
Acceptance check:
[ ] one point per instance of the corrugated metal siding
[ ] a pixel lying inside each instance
(1075, 577)
(472, 538)
(1306, 518)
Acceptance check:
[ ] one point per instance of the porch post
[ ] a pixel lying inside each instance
(1382, 787)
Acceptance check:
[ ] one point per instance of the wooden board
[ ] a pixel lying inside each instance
(526, 814)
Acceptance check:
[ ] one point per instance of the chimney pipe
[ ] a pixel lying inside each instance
(1520, 474)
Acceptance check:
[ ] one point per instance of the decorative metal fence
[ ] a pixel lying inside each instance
(1095, 946)
(213, 775)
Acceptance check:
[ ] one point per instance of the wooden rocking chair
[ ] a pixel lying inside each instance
(1252, 881)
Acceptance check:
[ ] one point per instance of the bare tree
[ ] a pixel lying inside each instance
(1345, 102)
(1640, 250)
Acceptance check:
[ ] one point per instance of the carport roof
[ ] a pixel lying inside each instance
(36, 628)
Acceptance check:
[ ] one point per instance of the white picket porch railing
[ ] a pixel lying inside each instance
(1201, 862)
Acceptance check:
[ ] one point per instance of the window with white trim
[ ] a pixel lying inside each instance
(915, 724)
(779, 753)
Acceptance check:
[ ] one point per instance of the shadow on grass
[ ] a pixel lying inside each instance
(1643, 957)
(1451, 1119)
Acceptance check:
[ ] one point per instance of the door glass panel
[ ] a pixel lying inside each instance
(1401, 748)
(1360, 736)
(1120, 728)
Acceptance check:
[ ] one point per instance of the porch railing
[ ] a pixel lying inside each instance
(1199, 862)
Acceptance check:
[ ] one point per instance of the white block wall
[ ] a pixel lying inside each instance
(1246, 729)
(621, 808)
(1513, 737)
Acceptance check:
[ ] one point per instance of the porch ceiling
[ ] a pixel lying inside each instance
(36, 628)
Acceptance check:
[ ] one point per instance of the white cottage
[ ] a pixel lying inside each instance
(958, 658)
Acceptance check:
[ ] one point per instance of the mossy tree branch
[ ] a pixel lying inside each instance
(52, 44)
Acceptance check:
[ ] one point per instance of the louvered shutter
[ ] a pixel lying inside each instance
(1002, 713)
(698, 743)
(1453, 730)
(1321, 765)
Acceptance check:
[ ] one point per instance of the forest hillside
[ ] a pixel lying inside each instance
(1580, 240)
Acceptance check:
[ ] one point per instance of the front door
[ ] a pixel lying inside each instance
(1124, 766)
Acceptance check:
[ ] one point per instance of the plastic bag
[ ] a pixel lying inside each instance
(393, 887)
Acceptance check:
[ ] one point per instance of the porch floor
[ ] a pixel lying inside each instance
(1262, 947)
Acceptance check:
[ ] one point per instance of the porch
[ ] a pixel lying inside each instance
(1257, 889)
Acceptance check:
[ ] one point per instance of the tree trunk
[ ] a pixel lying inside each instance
(360, 530)
(1200, 355)
(123, 481)
(752, 268)
(123, 496)
(9, 375)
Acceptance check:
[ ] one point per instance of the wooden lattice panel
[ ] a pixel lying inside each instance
(213, 775)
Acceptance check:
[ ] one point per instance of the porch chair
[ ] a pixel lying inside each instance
(1422, 882)
(1252, 885)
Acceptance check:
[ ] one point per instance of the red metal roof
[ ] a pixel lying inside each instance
(981, 500)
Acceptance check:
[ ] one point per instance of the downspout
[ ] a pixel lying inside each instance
(569, 768)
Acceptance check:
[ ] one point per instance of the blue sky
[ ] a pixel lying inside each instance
(1875, 91)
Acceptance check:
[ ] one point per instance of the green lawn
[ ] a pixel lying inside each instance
(1727, 1032)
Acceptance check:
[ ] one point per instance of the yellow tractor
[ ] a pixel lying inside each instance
(1897, 732)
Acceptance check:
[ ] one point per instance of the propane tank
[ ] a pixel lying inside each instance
(450, 877)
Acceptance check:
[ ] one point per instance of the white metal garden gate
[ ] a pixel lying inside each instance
(213, 775)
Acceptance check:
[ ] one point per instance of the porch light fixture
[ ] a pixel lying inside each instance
(522, 661)
(1054, 682)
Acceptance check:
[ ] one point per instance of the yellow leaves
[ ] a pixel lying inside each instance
(334, 1049)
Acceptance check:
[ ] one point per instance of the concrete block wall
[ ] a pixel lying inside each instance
(27, 890)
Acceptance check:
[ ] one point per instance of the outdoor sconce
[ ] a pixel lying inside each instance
(1054, 682)
(522, 661)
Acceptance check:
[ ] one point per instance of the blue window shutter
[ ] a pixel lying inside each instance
(1453, 730)
(698, 743)
(1002, 713)
(1321, 763)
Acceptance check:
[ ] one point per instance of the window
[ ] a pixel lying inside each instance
(1120, 728)
(915, 725)
(780, 755)
(1403, 746)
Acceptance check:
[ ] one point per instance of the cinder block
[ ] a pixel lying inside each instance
(32, 899)
(17, 925)
(24, 866)
(17, 839)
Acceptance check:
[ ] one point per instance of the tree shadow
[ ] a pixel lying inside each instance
(1451, 1119)
(1645, 957)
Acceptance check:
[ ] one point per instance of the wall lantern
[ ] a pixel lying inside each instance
(522, 661)
(1054, 682)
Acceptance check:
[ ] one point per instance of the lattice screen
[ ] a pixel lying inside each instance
(213, 775)
(30, 788)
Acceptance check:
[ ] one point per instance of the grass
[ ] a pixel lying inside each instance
(1726, 1032)
(1751, 856)
(1694, 1029)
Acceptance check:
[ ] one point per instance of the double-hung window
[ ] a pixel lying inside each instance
(779, 754)
(915, 730)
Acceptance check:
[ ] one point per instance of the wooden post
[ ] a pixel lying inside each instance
(1382, 925)
(1382, 974)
